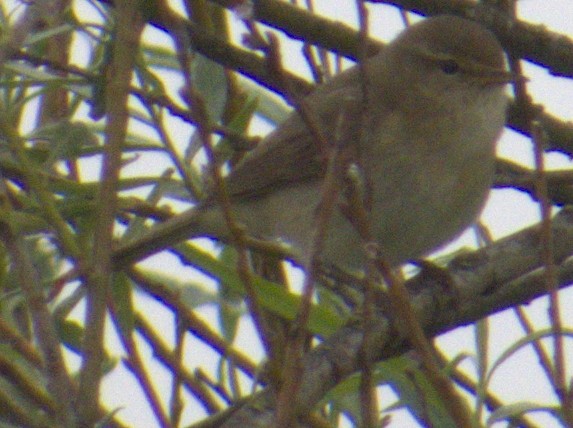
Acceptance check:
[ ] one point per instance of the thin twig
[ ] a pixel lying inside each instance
(538, 137)
(18, 343)
(238, 236)
(164, 136)
(560, 380)
(369, 403)
(176, 401)
(193, 323)
(135, 364)
(403, 310)
(295, 345)
(192, 383)
(59, 383)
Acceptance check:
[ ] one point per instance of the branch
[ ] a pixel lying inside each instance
(534, 43)
(127, 32)
(517, 177)
(486, 281)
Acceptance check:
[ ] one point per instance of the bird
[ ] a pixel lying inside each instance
(420, 134)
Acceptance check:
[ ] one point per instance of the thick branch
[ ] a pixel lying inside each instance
(487, 281)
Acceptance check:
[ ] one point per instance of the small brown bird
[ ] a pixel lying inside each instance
(423, 136)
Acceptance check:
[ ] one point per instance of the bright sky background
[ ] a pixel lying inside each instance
(506, 212)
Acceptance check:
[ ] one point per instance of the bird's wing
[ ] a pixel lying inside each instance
(290, 154)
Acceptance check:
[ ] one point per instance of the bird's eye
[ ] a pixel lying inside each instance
(450, 66)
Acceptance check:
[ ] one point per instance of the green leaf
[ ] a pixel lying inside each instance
(71, 334)
(239, 123)
(35, 75)
(230, 306)
(121, 292)
(271, 296)
(25, 223)
(191, 293)
(31, 410)
(65, 140)
(410, 384)
(149, 81)
(137, 225)
(517, 409)
(270, 106)
(160, 57)
(41, 36)
(210, 81)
